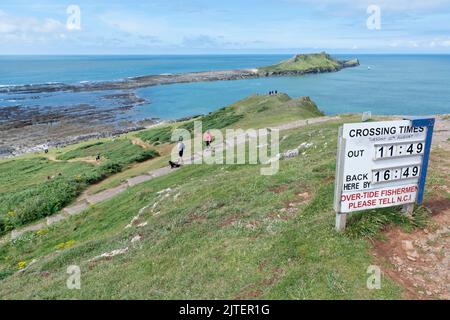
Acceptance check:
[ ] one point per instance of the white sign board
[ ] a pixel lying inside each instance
(379, 164)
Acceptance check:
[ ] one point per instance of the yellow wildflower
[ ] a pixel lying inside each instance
(65, 245)
(69, 244)
(60, 245)
(42, 232)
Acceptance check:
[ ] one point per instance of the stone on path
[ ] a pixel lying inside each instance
(136, 238)
(110, 254)
(76, 208)
(35, 227)
(106, 194)
(139, 179)
(56, 218)
(407, 245)
(161, 171)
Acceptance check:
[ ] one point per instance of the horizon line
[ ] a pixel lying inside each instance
(215, 54)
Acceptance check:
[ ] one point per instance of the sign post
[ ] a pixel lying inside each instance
(381, 164)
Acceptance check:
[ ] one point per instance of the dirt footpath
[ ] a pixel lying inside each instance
(419, 261)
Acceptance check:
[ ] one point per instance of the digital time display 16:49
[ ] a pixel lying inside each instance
(398, 150)
(390, 174)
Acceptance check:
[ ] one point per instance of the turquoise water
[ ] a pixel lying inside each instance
(394, 84)
(73, 69)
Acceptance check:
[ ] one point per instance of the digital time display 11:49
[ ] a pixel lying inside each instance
(398, 150)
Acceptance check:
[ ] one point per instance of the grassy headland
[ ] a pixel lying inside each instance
(255, 111)
(215, 231)
(307, 63)
(298, 65)
(34, 187)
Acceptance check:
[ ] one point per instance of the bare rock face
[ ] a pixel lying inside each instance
(350, 63)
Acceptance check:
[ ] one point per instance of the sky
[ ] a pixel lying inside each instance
(223, 27)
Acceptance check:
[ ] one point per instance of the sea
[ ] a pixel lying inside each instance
(383, 84)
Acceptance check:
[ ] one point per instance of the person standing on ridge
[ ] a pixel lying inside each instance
(180, 148)
(207, 137)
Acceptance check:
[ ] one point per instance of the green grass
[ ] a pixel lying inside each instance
(119, 151)
(260, 111)
(32, 188)
(303, 63)
(17, 175)
(226, 235)
(223, 232)
(133, 171)
(219, 119)
(156, 135)
(27, 194)
(256, 111)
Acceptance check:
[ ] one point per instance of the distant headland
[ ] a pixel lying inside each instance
(298, 65)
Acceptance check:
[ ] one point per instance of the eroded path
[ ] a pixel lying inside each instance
(420, 260)
(85, 200)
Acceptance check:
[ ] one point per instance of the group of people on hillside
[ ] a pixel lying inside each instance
(273, 93)
(207, 139)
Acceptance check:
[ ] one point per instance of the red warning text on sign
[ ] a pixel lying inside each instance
(384, 197)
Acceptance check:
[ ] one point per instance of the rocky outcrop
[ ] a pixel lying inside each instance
(165, 79)
(350, 63)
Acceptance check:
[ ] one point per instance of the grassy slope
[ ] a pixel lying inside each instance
(26, 193)
(18, 175)
(304, 63)
(29, 196)
(120, 151)
(215, 240)
(264, 111)
(256, 111)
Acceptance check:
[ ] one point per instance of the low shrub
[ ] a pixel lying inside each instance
(146, 155)
(156, 135)
(216, 120)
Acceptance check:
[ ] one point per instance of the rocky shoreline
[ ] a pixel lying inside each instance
(67, 135)
(26, 129)
(166, 79)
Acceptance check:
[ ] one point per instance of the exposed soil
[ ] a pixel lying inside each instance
(441, 134)
(279, 189)
(419, 261)
(141, 143)
(252, 290)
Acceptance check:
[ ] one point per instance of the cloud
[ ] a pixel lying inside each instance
(29, 30)
(134, 24)
(390, 5)
(393, 44)
(201, 41)
(204, 41)
(444, 43)
(150, 39)
(437, 43)
(10, 24)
